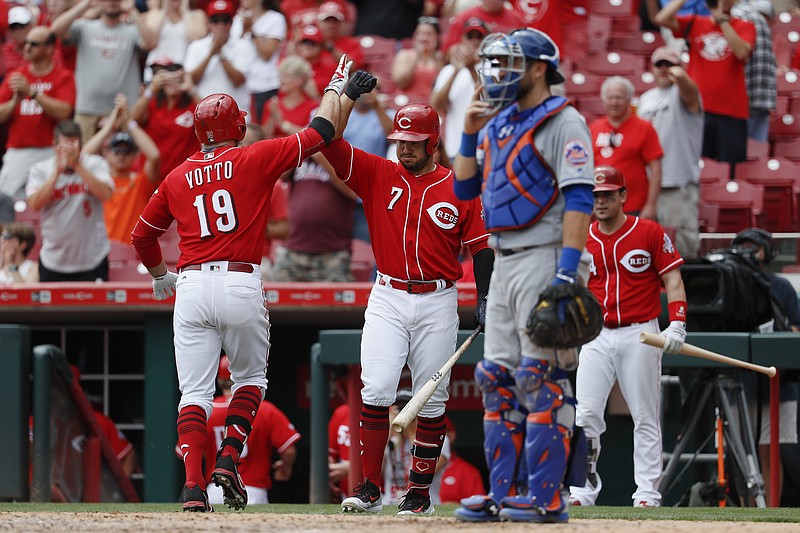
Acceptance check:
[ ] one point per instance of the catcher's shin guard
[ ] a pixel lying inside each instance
(549, 425)
(503, 426)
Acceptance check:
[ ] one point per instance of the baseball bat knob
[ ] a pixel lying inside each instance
(772, 372)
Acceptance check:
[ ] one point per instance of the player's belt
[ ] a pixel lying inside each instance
(233, 266)
(414, 287)
(505, 252)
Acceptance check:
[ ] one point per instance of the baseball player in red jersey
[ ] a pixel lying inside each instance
(631, 257)
(417, 227)
(220, 198)
(339, 450)
(272, 432)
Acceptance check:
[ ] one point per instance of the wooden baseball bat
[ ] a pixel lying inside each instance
(658, 341)
(418, 401)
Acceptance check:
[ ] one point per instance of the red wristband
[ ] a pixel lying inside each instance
(677, 311)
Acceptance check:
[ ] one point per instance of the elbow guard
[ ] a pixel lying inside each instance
(579, 198)
(469, 188)
(325, 128)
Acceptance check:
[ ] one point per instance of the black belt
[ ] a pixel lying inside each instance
(505, 252)
(414, 287)
(233, 266)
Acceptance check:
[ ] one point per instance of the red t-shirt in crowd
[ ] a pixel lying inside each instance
(300, 114)
(272, 432)
(504, 21)
(544, 16)
(628, 148)
(712, 65)
(172, 129)
(322, 68)
(29, 126)
(626, 269)
(460, 479)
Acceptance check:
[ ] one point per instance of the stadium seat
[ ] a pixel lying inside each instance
(783, 105)
(786, 126)
(614, 8)
(625, 26)
(378, 55)
(740, 204)
(362, 262)
(757, 150)
(124, 265)
(789, 149)
(640, 44)
(591, 107)
(778, 178)
(712, 171)
(599, 29)
(583, 83)
(643, 82)
(788, 84)
(788, 26)
(707, 217)
(615, 64)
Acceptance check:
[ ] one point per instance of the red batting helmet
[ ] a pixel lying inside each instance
(224, 371)
(416, 122)
(217, 118)
(608, 179)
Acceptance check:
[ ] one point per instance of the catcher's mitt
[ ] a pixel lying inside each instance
(583, 317)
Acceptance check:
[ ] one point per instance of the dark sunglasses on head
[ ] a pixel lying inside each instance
(122, 149)
(34, 44)
(174, 67)
(6, 236)
(17, 26)
(664, 63)
(220, 19)
(428, 20)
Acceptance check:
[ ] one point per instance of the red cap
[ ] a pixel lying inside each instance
(608, 179)
(220, 7)
(331, 10)
(475, 24)
(311, 33)
(224, 371)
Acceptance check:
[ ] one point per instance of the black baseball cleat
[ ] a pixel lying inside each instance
(367, 498)
(195, 500)
(415, 503)
(226, 475)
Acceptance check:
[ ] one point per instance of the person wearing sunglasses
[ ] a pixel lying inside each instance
(120, 141)
(33, 99)
(221, 62)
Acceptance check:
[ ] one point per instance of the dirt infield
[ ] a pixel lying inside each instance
(303, 523)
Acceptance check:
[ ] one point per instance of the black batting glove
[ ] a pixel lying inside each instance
(480, 310)
(360, 83)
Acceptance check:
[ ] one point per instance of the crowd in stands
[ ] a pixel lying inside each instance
(97, 97)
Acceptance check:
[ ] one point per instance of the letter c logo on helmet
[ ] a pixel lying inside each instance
(417, 122)
(217, 118)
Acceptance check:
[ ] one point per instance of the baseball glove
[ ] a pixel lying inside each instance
(580, 322)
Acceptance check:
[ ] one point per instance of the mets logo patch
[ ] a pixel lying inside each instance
(576, 153)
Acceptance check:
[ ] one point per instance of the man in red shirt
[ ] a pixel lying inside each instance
(339, 451)
(35, 97)
(272, 433)
(331, 21)
(493, 13)
(220, 198)
(719, 47)
(311, 48)
(460, 479)
(418, 227)
(631, 257)
(629, 143)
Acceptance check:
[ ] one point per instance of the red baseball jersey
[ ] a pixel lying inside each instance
(417, 224)
(628, 148)
(461, 479)
(625, 274)
(339, 439)
(272, 432)
(30, 126)
(220, 200)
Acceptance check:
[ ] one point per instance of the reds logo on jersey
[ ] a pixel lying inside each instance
(713, 46)
(637, 260)
(444, 215)
(532, 10)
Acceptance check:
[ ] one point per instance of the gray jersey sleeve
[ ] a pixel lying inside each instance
(566, 145)
(99, 168)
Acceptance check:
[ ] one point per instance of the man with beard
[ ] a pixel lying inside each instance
(107, 62)
(417, 227)
(534, 173)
